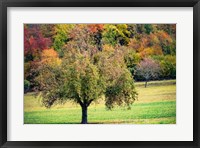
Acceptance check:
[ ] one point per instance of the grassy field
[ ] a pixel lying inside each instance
(156, 104)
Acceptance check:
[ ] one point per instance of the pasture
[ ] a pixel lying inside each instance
(155, 104)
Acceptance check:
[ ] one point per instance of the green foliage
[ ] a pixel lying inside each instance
(61, 36)
(148, 28)
(140, 28)
(83, 82)
(132, 28)
(120, 88)
(116, 34)
(26, 85)
(131, 59)
(110, 35)
(168, 67)
(122, 92)
(123, 34)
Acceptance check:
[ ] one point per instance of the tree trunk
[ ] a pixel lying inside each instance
(84, 114)
(145, 84)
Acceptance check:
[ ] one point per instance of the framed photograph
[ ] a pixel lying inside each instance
(99, 73)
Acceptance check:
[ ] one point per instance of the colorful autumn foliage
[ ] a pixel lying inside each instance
(50, 57)
(140, 40)
(34, 42)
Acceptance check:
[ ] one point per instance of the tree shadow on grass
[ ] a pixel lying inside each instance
(70, 123)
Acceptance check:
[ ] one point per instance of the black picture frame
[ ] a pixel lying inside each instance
(4, 4)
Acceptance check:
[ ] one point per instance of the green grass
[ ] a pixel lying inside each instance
(156, 104)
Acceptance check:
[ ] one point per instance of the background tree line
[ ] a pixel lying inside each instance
(147, 50)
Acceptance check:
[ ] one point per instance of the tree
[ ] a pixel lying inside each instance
(96, 32)
(83, 77)
(131, 59)
(49, 61)
(148, 28)
(166, 42)
(26, 85)
(79, 80)
(83, 84)
(116, 34)
(50, 57)
(34, 42)
(168, 67)
(61, 36)
(148, 69)
(47, 30)
(119, 83)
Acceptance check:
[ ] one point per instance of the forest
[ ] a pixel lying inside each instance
(84, 63)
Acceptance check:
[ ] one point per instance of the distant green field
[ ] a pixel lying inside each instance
(156, 104)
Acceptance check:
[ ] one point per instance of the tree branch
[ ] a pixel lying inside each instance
(89, 102)
(79, 101)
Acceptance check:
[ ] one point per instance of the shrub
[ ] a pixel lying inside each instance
(26, 86)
